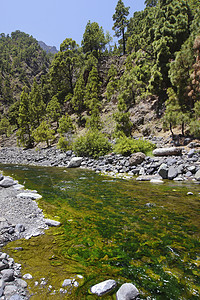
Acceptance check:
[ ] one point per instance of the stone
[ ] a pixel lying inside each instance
(103, 287)
(8, 275)
(22, 283)
(163, 171)
(75, 162)
(52, 223)
(136, 158)
(67, 282)
(156, 180)
(16, 297)
(1, 176)
(192, 169)
(27, 276)
(172, 172)
(3, 266)
(147, 177)
(33, 196)
(127, 292)
(197, 175)
(19, 228)
(7, 182)
(191, 153)
(10, 290)
(167, 151)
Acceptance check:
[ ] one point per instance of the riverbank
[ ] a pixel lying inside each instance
(20, 217)
(179, 165)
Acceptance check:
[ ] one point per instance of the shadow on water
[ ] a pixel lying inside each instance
(124, 230)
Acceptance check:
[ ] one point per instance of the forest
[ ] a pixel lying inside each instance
(62, 98)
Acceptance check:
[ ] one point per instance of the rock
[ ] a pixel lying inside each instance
(163, 171)
(19, 228)
(136, 158)
(156, 180)
(16, 297)
(147, 177)
(52, 223)
(190, 193)
(33, 196)
(191, 153)
(197, 175)
(8, 275)
(172, 172)
(67, 282)
(103, 287)
(75, 162)
(10, 290)
(127, 292)
(167, 151)
(27, 276)
(7, 182)
(3, 265)
(1, 176)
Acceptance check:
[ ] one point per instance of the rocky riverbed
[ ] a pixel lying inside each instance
(20, 216)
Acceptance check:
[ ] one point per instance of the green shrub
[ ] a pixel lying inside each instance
(64, 144)
(93, 144)
(126, 146)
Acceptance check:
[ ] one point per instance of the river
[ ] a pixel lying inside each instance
(130, 231)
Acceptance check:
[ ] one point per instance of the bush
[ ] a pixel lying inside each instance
(93, 144)
(64, 144)
(126, 146)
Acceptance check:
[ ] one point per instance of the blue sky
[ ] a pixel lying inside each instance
(51, 21)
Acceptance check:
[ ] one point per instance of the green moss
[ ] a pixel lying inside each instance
(108, 231)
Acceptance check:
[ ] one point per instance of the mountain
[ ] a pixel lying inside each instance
(48, 49)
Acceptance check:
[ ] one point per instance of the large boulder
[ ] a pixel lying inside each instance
(136, 158)
(172, 172)
(163, 171)
(197, 175)
(33, 196)
(103, 287)
(167, 151)
(75, 162)
(127, 292)
(7, 182)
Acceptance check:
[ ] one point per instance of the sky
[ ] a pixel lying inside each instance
(52, 21)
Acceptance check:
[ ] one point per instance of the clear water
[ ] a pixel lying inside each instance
(111, 229)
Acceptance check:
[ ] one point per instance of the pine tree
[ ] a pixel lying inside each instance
(78, 97)
(121, 22)
(43, 133)
(24, 133)
(123, 124)
(37, 105)
(54, 110)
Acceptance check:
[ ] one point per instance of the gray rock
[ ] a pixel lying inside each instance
(67, 282)
(16, 297)
(75, 162)
(172, 172)
(19, 228)
(103, 287)
(163, 171)
(136, 158)
(27, 276)
(52, 223)
(167, 151)
(3, 265)
(10, 290)
(191, 153)
(127, 292)
(192, 169)
(147, 177)
(197, 175)
(7, 182)
(8, 275)
(1, 176)
(33, 196)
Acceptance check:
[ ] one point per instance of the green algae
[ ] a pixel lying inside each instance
(111, 228)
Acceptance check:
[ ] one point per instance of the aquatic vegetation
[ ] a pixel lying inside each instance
(125, 230)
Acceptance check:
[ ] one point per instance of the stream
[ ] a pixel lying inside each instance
(130, 231)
